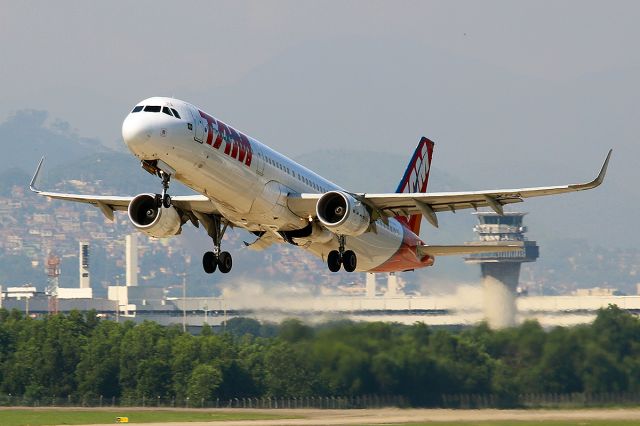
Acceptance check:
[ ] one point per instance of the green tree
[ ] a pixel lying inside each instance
(293, 330)
(288, 371)
(153, 378)
(184, 358)
(203, 383)
(558, 370)
(140, 344)
(601, 372)
(99, 367)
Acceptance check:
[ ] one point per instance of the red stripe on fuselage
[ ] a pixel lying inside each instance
(405, 257)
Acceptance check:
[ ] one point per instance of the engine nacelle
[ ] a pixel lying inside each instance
(147, 217)
(342, 214)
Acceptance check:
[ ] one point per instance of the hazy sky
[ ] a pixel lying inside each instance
(513, 93)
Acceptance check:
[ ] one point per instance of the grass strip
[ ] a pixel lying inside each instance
(78, 417)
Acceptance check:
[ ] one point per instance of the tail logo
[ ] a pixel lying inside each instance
(416, 176)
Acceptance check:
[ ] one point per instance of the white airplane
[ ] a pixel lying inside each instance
(243, 183)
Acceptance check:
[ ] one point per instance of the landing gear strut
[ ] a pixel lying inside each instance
(164, 199)
(217, 259)
(340, 257)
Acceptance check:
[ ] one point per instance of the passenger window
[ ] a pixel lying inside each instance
(175, 113)
(166, 111)
(138, 108)
(152, 108)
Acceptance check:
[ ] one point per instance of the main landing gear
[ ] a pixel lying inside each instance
(217, 259)
(340, 257)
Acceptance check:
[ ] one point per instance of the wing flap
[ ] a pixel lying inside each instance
(264, 241)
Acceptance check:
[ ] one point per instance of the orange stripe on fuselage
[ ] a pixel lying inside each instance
(405, 257)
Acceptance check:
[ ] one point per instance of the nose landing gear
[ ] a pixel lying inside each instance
(340, 257)
(164, 199)
(217, 259)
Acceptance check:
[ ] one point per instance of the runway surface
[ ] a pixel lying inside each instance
(395, 415)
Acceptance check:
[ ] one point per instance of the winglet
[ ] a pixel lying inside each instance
(32, 185)
(598, 180)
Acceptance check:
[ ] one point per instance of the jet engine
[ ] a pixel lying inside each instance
(312, 233)
(147, 217)
(342, 214)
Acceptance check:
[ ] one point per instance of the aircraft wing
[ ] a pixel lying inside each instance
(428, 204)
(108, 203)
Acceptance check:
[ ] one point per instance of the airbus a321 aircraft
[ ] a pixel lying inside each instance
(243, 183)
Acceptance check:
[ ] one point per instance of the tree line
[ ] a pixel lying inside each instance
(83, 356)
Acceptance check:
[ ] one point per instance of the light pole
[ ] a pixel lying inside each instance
(184, 303)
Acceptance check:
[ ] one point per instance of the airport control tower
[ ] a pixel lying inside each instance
(501, 271)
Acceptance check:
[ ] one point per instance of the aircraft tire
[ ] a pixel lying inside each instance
(349, 261)
(209, 262)
(166, 201)
(225, 262)
(333, 261)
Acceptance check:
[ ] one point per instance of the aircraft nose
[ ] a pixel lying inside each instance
(136, 132)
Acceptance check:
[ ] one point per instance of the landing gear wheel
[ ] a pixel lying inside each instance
(209, 262)
(225, 262)
(216, 258)
(333, 261)
(166, 201)
(349, 261)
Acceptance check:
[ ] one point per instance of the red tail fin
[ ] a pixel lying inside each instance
(416, 178)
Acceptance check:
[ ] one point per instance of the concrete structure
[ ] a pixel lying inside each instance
(132, 260)
(75, 293)
(370, 286)
(19, 293)
(142, 296)
(598, 291)
(84, 265)
(39, 305)
(392, 285)
(461, 309)
(501, 271)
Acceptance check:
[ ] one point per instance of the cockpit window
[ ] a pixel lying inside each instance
(166, 111)
(152, 108)
(138, 108)
(175, 113)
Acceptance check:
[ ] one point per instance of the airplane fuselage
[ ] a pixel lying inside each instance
(248, 183)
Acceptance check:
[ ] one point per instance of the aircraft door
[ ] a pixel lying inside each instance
(259, 158)
(198, 124)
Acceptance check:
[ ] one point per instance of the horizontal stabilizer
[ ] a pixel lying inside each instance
(434, 251)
